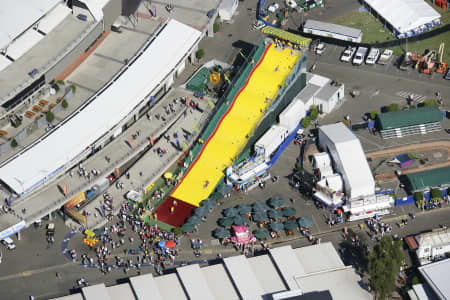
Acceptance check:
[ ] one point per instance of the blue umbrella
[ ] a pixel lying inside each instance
(289, 211)
(290, 225)
(240, 220)
(230, 212)
(225, 222)
(201, 211)
(306, 222)
(261, 234)
(221, 233)
(259, 216)
(276, 202)
(260, 206)
(276, 226)
(162, 244)
(209, 203)
(244, 209)
(194, 220)
(274, 214)
(187, 228)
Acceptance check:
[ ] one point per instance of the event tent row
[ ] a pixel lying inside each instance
(270, 276)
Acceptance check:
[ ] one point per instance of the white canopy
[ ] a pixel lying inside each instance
(108, 108)
(52, 19)
(405, 15)
(16, 16)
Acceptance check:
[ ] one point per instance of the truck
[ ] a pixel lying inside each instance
(374, 53)
(385, 57)
(348, 54)
(360, 56)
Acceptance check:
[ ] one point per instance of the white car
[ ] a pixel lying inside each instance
(385, 56)
(8, 242)
(320, 49)
(373, 56)
(348, 54)
(360, 56)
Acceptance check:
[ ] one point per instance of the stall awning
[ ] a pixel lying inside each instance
(285, 35)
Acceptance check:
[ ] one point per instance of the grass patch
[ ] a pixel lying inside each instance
(162, 225)
(374, 31)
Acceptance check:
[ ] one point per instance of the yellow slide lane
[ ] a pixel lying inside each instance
(232, 134)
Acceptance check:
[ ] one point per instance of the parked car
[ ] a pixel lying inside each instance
(360, 55)
(8, 242)
(374, 53)
(385, 57)
(320, 49)
(348, 54)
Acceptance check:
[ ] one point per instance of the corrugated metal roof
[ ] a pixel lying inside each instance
(404, 118)
(431, 178)
(333, 28)
(436, 275)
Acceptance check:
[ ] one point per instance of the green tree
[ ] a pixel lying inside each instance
(436, 193)
(49, 116)
(298, 166)
(55, 87)
(373, 114)
(313, 112)
(384, 265)
(412, 106)
(61, 82)
(64, 103)
(430, 102)
(200, 53)
(216, 27)
(393, 107)
(74, 88)
(418, 196)
(305, 122)
(415, 280)
(177, 230)
(14, 143)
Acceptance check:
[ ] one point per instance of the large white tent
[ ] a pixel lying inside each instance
(16, 16)
(407, 17)
(108, 108)
(349, 159)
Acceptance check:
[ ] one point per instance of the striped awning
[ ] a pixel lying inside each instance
(285, 35)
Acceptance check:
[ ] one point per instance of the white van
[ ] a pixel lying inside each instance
(9, 243)
(360, 55)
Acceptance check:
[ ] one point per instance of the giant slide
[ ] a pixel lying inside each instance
(236, 125)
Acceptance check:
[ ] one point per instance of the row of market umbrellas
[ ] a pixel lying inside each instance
(238, 219)
(275, 226)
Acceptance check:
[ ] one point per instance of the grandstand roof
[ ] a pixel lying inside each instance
(107, 109)
(430, 178)
(18, 15)
(404, 118)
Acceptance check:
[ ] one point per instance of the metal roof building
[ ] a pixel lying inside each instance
(278, 275)
(436, 276)
(435, 178)
(333, 30)
(401, 123)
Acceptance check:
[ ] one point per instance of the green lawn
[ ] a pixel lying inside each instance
(374, 31)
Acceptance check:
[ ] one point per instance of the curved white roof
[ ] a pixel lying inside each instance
(405, 15)
(18, 15)
(108, 108)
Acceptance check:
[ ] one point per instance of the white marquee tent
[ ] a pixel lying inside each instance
(405, 16)
(39, 163)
